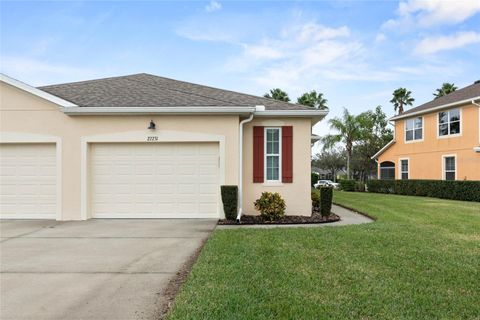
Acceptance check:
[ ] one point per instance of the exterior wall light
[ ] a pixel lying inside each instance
(152, 125)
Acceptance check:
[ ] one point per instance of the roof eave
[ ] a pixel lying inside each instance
(385, 147)
(37, 92)
(443, 106)
(156, 110)
(210, 110)
(314, 115)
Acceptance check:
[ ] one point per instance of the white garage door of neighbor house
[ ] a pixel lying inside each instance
(28, 181)
(154, 180)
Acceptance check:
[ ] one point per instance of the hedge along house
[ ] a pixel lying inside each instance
(439, 140)
(143, 146)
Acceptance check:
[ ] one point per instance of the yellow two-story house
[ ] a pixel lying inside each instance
(437, 140)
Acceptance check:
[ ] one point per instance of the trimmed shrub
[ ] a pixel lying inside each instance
(455, 190)
(347, 185)
(230, 201)
(316, 198)
(314, 178)
(271, 206)
(326, 197)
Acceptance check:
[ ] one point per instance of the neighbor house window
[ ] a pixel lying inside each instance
(387, 170)
(449, 166)
(414, 129)
(272, 154)
(404, 169)
(449, 122)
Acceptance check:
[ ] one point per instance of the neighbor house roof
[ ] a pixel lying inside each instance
(458, 97)
(150, 91)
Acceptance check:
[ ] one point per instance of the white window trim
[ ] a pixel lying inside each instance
(449, 135)
(443, 165)
(400, 168)
(279, 181)
(405, 130)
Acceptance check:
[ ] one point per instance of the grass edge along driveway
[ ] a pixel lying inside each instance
(419, 260)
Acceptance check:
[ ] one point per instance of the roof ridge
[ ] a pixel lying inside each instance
(131, 77)
(235, 92)
(172, 89)
(92, 80)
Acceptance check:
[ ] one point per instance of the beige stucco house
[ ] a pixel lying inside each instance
(143, 146)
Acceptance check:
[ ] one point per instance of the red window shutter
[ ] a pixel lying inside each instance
(287, 154)
(258, 154)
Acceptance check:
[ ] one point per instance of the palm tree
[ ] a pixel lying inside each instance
(314, 100)
(445, 89)
(401, 98)
(349, 131)
(277, 94)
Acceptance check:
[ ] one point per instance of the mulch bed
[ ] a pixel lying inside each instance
(314, 218)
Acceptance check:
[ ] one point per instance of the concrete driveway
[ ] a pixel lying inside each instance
(95, 269)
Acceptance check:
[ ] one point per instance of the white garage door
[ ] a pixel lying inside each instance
(28, 178)
(157, 180)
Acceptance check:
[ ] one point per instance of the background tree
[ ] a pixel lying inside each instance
(374, 135)
(313, 99)
(277, 94)
(331, 159)
(401, 97)
(349, 132)
(445, 89)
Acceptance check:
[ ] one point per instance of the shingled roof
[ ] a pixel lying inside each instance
(468, 93)
(146, 90)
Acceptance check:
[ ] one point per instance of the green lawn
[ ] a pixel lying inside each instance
(419, 260)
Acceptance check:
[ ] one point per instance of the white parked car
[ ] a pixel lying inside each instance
(326, 183)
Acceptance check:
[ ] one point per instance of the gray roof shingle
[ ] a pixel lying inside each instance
(146, 90)
(469, 92)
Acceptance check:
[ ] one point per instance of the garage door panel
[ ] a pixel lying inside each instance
(28, 181)
(159, 180)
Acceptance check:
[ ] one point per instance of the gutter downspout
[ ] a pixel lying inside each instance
(240, 163)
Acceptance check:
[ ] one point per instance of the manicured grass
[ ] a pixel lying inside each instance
(419, 260)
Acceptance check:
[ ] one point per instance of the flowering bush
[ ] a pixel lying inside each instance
(271, 206)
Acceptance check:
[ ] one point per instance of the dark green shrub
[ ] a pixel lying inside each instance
(359, 186)
(326, 197)
(230, 201)
(455, 190)
(271, 206)
(314, 179)
(347, 185)
(316, 198)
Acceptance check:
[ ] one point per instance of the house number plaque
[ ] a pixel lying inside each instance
(152, 138)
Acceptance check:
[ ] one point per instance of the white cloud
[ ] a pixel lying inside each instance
(380, 37)
(427, 13)
(263, 51)
(315, 32)
(213, 6)
(37, 72)
(431, 45)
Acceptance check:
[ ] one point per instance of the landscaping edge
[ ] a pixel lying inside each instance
(355, 210)
(175, 284)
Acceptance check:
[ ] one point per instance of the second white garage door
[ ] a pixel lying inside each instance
(157, 180)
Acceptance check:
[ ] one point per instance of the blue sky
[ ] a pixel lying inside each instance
(355, 52)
